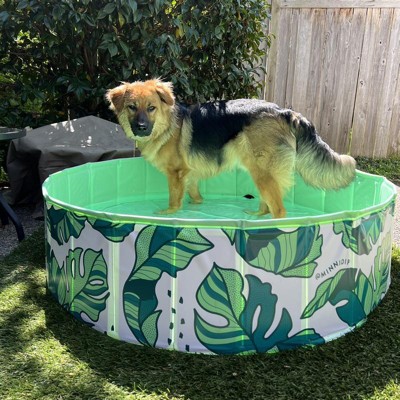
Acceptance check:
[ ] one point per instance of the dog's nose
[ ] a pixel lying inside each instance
(142, 126)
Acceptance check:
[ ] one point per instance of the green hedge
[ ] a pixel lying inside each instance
(63, 54)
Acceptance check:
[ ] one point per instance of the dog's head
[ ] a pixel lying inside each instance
(143, 109)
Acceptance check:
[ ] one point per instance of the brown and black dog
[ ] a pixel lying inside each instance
(192, 143)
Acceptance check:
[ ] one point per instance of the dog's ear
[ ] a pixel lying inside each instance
(165, 91)
(116, 98)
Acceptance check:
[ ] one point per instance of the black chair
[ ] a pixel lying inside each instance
(6, 212)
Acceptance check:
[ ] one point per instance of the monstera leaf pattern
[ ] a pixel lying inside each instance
(233, 310)
(360, 236)
(247, 320)
(158, 250)
(361, 293)
(80, 284)
(370, 289)
(63, 225)
(381, 272)
(331, 289)
(290, 254)
(115, 232)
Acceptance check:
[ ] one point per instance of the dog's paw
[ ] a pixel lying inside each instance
(256, 213)
(167, 211)
(196, 201)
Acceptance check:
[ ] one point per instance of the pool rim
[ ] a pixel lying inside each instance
(228, 223)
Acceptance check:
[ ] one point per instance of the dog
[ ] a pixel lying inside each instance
(196, 142)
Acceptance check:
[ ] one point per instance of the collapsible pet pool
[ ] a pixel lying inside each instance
(211, 278)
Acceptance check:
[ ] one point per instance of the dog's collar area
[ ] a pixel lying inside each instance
(140, 140)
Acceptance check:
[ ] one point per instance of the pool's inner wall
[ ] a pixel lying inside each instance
(220, 289)
(132, 190)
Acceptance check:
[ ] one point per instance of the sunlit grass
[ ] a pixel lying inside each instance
(388, 167)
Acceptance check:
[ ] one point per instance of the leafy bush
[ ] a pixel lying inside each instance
(66, 53)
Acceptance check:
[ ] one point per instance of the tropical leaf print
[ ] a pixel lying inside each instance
(115, 232)
(382, 264)
(63, 224)
(246, 321)
(158, 250)
(360, 293)
(290, 254)
(342, 289)
(231, 233)
(80, 284)
(370, 289)
(56, 276)
(343, 280)
(360, 236)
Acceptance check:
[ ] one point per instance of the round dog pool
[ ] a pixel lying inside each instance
(211, 278)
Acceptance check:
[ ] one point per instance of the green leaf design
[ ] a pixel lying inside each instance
(80, 285)
(368, 291)
(327, 290)
(352, 311)
(341, 287)
(392, 208)
(360, 293)
(290, 254)
(382, 262)
(364, 292)
(63, 224)
(114, 232)
(158, 250)
(87, 282)
(231, 234)
(304, 337)
(221, 294)
(361, 238)
(56, 280)
(247, 321)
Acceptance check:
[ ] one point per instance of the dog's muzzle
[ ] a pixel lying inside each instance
(142, 130)
(141, 126)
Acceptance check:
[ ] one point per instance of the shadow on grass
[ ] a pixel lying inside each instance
(80, 362)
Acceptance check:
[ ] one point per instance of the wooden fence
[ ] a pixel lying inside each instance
(338, 63)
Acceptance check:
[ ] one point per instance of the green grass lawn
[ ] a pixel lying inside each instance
(389, 167)
(47, 354)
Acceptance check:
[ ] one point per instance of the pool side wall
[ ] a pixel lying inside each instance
(219, 290)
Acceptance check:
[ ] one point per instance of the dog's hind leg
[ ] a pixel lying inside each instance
(263, 209)
(193, 190)
(273, 176)
(270, 196)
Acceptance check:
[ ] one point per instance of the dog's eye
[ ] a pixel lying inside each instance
(132, 107)
(151, 108)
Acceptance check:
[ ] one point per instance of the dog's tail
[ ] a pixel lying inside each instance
(316, 162)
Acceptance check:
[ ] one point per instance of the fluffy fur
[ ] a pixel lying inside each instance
(192, 143)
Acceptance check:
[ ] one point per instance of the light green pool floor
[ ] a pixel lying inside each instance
(210, 209)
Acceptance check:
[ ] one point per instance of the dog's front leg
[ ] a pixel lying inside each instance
(176, 187)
